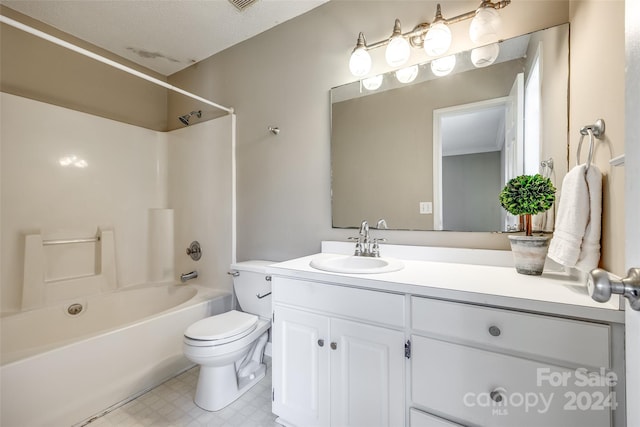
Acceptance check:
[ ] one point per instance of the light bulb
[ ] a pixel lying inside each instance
(438, 39)
(398, 51)
(443, 66)
(372, 83)
(408, 74)
(485, 55)
(485, 26)
(360, 62)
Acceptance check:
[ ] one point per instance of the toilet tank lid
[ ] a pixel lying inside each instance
(257, 266)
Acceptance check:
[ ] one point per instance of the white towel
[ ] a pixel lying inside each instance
(576, 239)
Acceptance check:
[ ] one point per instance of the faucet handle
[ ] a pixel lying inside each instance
(358, 250)
(375, 251)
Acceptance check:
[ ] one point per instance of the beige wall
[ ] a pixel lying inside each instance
(597, 91)
(282, 78)
(34, 68)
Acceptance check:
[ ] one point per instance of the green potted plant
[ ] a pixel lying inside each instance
(524, 196)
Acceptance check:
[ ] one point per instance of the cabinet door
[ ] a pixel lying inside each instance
(301, 367)
(367, 375)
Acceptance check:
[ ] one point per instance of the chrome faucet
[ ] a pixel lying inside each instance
(188, 276)
(365, 246)
(364, 232)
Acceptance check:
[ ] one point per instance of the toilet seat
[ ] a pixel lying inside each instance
(221, 329)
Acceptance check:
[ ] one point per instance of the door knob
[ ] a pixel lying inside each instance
(601, 285)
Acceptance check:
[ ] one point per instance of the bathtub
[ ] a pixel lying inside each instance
(63, 364)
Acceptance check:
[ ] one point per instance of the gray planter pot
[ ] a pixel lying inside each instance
(529, 253)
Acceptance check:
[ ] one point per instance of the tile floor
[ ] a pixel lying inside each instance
(171, 404)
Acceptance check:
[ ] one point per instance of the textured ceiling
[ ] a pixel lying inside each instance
(163, 35)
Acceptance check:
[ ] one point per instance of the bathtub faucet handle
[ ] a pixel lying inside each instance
(188, 276)
(194, 250)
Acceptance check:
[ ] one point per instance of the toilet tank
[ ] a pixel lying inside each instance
(250, 282)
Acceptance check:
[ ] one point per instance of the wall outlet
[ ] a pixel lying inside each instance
(426, 207)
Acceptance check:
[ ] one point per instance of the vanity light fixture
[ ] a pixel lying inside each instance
(372, 83)
(438, 38)
(485, 55)
(407, 74)
(434, 37)
(398, 49)
(443, 66)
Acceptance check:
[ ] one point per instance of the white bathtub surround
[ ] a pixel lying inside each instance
(201, 194)
(123, 173)
(69, 173)
(64, 267)
(75, 377)
(161, 245)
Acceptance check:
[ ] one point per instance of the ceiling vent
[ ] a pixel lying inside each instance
(242, 4)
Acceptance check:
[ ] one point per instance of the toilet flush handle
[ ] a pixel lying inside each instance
(268, 279)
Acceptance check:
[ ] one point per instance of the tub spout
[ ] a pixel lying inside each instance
(188, 276)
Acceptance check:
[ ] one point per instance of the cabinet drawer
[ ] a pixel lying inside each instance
(483, 388)
(359, 304)
(422, 419)
(561, 340)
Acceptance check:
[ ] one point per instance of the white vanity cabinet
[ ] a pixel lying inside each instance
(485, 366)
(338, 355)
(486, 347)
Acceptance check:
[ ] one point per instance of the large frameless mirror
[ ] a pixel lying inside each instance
(434, 153)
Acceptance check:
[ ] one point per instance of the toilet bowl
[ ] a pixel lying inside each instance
(229, 347)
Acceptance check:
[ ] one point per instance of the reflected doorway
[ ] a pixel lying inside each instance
(470, 168)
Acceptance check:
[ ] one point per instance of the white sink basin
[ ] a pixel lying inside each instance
(356, 264)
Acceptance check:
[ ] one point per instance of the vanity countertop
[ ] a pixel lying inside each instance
(553, 293)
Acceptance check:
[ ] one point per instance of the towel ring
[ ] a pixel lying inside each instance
(594, 131)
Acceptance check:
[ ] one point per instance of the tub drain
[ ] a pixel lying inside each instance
(74, 309)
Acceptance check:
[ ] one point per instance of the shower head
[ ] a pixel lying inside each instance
(185, 119)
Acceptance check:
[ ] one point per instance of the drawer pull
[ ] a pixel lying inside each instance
(334, 346)
(496, 396)
(494, 331)
(321, 343)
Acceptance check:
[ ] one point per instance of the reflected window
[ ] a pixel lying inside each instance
(532, 118)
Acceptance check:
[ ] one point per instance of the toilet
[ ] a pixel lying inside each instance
(229, 347)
